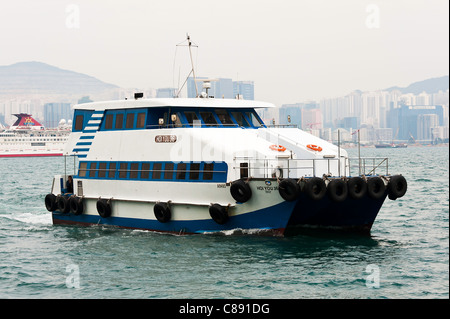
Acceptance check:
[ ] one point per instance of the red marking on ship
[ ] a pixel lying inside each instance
(26, 121)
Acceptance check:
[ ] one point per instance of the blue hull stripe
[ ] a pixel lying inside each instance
(350, 214)
(275, 217)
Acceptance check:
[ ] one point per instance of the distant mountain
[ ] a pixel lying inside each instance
(41, 78)
(433, 85)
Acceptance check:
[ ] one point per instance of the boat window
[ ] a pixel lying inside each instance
(145, 170)
(168, 171)
(240, 119)
(191, 117)
(208, 118)
(79, 123)
(102, 170)
(82, 170)
(244, 170)
(253, 119)
(130, 120)
(224, 117)
(119, 121)
(109, 121)
(92, 169)
(208, 171)
(123, 170)
(134, 169)
(140, 120)
(157, 170)
(194, 171)
(181, 171)
(112, 170)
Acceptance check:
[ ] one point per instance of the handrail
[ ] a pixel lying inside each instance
(266, 168)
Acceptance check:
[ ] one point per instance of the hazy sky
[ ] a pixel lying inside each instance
(293, 50)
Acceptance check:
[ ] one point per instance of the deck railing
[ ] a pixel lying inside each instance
(296, 168)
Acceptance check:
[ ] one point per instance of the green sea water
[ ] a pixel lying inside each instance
(406, 255)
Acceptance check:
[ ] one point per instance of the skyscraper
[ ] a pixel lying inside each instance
(55, 112)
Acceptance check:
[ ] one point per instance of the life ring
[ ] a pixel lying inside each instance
(315, 188)
(279, 148)
(63, 204)
(76, 205)
(289, 189)
(337, 190)
(397, 187)
(218, 213)
(240, 190)
(103, 208)
(162, 212)
(357, 187)
(375, 187)
(314, 147)
(50, 202)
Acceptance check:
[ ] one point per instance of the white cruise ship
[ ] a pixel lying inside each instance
(27, 137)
(206, 165)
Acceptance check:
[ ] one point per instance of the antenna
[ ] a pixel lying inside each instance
(190, 44)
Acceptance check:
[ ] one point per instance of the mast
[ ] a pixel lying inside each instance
(192, 63)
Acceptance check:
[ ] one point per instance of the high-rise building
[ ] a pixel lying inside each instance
(55, 112)
(245, 89)
(222, 88)
(425, 125)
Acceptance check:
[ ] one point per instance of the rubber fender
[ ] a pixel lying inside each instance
(315, 188)
(289, 189)
(240, 190)
(337, 190)
(218, 213)
(357, 187)
(375, 187)
(162, 212)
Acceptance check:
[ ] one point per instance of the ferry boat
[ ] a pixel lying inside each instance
(206, 165)
(27, 137)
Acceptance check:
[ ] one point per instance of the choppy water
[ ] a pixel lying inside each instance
(406, 256)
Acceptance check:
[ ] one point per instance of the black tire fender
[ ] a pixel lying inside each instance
(337, 190)
(375, 187)
(240, 190)
(357, 187)
(289, 189)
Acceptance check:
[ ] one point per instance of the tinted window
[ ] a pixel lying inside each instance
(208, 118)
(134, 170)
(191, 117)
(119, 121)
(92, 169)
(157, 170)
(253, 118)
(145, 170)
(109, 121)
(181, 171)
(194, 171)
(224, 117)
(82, 170)
(140, 120)
(102, 170)
(168, 171)
(123, 170)
(130, 120)
(112, 170)
(208, 171)
(240, 119)
(79, 123)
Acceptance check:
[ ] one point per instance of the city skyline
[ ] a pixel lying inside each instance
(293, 50)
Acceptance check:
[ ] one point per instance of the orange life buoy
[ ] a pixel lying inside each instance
(279, 148)
(314, 147)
